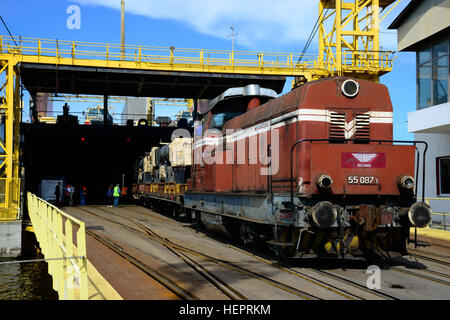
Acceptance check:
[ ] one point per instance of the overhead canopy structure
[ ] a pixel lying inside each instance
(72, 79)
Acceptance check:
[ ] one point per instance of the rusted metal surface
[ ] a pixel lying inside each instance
(307, 104)
(327, 159)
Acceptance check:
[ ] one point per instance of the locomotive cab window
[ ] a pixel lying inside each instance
(222, 114)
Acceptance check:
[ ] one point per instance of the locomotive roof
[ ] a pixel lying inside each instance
(250, 91)
(320, 94)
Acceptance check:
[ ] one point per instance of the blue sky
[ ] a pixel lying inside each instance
(262, 25)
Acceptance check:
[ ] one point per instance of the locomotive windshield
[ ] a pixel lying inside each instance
(222, 114)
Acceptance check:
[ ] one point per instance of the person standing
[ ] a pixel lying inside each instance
(70, 191)
(58, 194)
(83, 194)
(116, 195)
(109, 195)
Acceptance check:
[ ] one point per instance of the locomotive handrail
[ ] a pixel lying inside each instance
(352, 140)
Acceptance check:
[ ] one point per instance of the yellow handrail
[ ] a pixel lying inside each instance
(427, 200)
(444, 215)
(62, 239)
(141, 55)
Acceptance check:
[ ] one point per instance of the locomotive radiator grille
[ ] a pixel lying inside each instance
(357, 128)
(337, 125)
(362, 123)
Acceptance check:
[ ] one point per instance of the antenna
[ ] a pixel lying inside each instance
(122, 29)
(232, 35)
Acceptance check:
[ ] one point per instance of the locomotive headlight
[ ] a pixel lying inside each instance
(406, 182)
(324, 181)
(350, 88)
(324, 214)
(420, 215)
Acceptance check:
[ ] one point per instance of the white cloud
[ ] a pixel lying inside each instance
(256, 21)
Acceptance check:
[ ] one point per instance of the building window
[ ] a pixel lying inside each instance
(443, 172)
(433, 73)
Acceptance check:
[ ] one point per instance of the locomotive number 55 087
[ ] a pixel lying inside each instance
(362, 180)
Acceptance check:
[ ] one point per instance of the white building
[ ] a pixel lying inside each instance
(424, 27)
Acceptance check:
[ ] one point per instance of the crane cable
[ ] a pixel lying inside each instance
(9, 31)
(313, 32)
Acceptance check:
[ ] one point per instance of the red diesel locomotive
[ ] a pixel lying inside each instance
(313, 171)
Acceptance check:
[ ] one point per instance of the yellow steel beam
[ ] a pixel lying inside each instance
(261, 67)
(169, 59)
(9, 147)
(335, 46)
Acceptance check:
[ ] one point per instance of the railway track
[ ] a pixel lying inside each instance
(316, 282)
(372, 291)
(184, 254)
(353, 284)
(362, 286)
(345, 288)
(428, 258)
(426, 270)
(168, 283)
(164, 280)
(347, 282)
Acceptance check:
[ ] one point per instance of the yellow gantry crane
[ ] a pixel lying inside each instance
(349, 45)
(10, 111)
(349, 40)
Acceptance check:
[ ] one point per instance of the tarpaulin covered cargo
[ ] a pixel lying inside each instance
(180, 152)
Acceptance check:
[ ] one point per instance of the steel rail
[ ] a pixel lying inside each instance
(222, 286)
(317, 282)
(445, 263)
(302, 275)
(418, 275)
(296, 273)
(355, 284)
(175, 247)
(226, 264)
(352, 283)
(247, 272)
(166, 282)
(412, 273)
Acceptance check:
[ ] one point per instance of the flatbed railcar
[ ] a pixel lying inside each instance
(313, 171)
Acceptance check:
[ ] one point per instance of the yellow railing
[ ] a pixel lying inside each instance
(186, 58)
(367, 60)
(62, 239)
(443, 214)
(9, 198)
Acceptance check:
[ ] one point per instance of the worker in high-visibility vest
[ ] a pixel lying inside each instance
(116, 195)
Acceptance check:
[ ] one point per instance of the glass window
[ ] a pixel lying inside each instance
(440, 49)
(440, 80)
(424, 86)
(433, 74)
(444, 175)
(424, 55)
